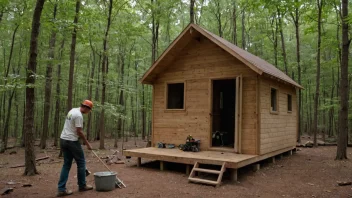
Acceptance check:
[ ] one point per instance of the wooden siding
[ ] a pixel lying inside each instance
(199, 62)
(278, 130)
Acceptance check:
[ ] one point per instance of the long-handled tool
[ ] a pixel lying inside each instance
(118, 182)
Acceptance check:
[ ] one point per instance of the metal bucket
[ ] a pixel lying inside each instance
(104, 181)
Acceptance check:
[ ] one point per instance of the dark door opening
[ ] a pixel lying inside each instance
(223, 113)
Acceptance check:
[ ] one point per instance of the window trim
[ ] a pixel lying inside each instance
(167, 94)
(289, 111)
(277, 100)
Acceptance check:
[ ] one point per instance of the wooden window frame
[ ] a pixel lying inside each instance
(288, 110)
(167, 93)
(277, 101)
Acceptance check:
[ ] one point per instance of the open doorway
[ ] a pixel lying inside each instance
(223, 113)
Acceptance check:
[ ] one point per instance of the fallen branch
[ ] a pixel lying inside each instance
(23, 165)
(344, 183)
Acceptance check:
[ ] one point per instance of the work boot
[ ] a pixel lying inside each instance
(85, 188)
(64, 193)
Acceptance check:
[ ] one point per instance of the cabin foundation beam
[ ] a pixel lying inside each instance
(272, 160)
(139, 161)
(188, 169)
(233, 174)
(162, 165)
(256, 167)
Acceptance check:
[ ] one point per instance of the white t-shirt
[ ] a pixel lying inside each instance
(73, 120)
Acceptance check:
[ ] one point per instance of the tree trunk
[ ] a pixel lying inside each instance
(280, 16)
(218, 18)
(104, 73)
(234, 15)
(121, 98)
(23, 139)
(136, 115)
(72, 57)
(11, 52)
(343, 112)
(30, 167)
(243, 30)
(58, 92)
(6, 119)
(295, 18)
(191, 11)
(317, 88)
(48, 82)
(7, 123)
(155, 36)
(143, 114)
(90, 91)
(97, 132)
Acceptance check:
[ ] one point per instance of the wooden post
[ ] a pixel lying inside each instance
(256, 167)
(188, 169)
(272, 160)
(290, 152)
(162, 165)
(233, 174)
(139, 162)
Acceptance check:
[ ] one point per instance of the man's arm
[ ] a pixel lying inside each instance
(81, 135)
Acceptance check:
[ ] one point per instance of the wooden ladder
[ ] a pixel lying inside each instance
(196, 168)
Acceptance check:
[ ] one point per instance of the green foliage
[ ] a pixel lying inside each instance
(129, 43)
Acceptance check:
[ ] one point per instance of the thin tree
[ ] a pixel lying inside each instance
(120, 122)
(48, 82)
(30, 167)
(104, 74)
(280, 16)
(343, 113)
(58, 91)
(234, 16)
(191, 11)
(7, 118)
(243, 29)
(317, 87)
(72, 57)
(295, 17)
(155, 39)
(90, 89)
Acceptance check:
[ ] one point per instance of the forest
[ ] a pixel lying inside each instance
(99, 50)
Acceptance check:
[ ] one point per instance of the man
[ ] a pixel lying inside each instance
(72, 149)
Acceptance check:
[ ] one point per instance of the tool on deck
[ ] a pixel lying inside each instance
(118, 181)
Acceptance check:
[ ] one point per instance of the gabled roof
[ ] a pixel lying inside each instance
(257, 64)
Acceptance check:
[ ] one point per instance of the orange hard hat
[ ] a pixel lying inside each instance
(88, 103)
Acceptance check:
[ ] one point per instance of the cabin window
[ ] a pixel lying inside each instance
(289, 103)
(273, 100)
(175, 96)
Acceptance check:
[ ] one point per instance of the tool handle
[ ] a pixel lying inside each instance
(101, 161)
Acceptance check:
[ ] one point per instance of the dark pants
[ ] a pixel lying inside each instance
(72, 150)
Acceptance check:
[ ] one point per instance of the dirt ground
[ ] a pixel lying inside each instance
(310, 172)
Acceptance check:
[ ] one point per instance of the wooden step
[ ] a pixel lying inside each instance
(207, 170)
(204, 181)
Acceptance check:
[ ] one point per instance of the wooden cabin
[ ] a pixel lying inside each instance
(228, 98)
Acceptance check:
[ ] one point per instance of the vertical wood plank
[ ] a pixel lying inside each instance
(162, 165)
(188, 169)
(233, 175)
(258, 117)
(139, 162)
(256, 167)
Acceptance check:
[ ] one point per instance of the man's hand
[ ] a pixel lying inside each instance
(81, 135)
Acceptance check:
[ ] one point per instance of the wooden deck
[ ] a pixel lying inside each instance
(232, 160)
